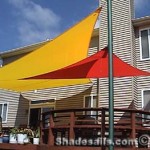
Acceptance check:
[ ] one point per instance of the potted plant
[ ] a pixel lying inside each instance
(13, 135)
(5, 137)
(30, 135)
(36, 138)
(1, 137)
(22, 135)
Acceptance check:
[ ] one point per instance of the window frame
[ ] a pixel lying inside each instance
(142, 91)
(6, 111)
(148, 29)
(92, 102)
(142, 95)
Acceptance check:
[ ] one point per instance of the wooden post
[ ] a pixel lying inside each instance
(51, 134)
(133, 125)
(72, 122)
(103, 128)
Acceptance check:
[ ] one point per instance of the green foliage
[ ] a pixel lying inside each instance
(13, 131)
(31, 133)
(27, 131)
(37, 133)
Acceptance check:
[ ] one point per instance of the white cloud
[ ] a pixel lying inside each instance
(34, 22)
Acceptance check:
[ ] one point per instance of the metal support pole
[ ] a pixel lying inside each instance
(110, 66)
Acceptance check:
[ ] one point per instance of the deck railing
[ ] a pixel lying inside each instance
(58, 126)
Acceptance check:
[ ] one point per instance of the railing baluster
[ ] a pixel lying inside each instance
(103, 128)
(133, 125)
(72, 122)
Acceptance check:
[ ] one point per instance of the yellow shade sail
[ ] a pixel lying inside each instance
(22, 85)
(66, 49)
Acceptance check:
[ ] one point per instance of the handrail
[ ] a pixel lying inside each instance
(72, 122)
(97, 109)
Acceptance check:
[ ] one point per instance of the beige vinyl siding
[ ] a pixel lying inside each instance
(142, 82)
(122, 47)
(94, 44)
(72, 102)
(133, 54)
(75, 101)
(56, 93)
(12, 99)
(17, 108)
(132, 8)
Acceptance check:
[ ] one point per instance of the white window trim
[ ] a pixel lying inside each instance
(141, 43)
(91, 95)
(6, 111)
(142, 93)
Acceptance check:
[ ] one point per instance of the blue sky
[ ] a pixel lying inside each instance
(24, 22)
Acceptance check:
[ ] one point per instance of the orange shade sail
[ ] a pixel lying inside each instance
(95, 66)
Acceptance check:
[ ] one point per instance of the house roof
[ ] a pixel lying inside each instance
(22, 50)
(141, 21)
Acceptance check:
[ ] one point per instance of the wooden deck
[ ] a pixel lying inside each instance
(74, 124)
(72, 129)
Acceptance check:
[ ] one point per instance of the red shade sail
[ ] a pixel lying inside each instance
(95, 66)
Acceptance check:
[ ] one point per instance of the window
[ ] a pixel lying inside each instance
(146, 102)
(4, 111)
(90, 102)
(145, 44)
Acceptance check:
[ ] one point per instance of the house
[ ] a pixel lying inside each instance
(131, 42)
